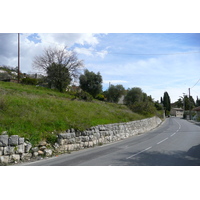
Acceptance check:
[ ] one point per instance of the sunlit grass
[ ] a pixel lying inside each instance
(35, 112)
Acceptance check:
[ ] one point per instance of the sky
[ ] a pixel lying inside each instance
(155, 62)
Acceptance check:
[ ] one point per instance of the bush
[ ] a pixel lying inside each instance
(29, 81)
(84, 96)
(100, 97)
(144, 108)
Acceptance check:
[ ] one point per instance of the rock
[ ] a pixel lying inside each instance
(1, 151)
(35, 154)
(3, 140)
(56, 146)
(13, 140)
(4, 133)
(28, 147)
(4, 159)
(35, 149)
(20, 148)
(42, 143)
(40, 152)
(9, 150)
(15, 158)
(42, 148)
(21, 141)
(26, 156)
(48, 152)
(64, 135)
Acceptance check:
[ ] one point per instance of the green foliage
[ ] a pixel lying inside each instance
(114, 93)
(146, 108)
(100, 97)
(158, 106)
(29, 81)
(91, 82)
(134, 95)
(58, 76)
(166, 103)
(139, 102)
(84, 96)
(51, 138)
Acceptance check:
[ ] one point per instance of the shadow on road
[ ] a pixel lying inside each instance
(174, 158)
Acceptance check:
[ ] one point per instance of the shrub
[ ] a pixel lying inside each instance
(84, 96)
(144, 108)
(100, 97)
(29, 81)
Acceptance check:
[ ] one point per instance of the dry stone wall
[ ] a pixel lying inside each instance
(14, 149)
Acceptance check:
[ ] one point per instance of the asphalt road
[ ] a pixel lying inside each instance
(175, 143)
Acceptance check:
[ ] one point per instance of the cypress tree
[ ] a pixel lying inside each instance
(166, 103)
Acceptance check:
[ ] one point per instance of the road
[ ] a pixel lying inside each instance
(175, 143)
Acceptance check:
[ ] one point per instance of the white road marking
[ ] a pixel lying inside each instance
(173, 134)
(162, 140)
(139, 152)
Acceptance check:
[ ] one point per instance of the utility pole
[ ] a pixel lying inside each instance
(189, 105)
(18, 55)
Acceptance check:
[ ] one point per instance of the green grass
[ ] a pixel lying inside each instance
(35, 112)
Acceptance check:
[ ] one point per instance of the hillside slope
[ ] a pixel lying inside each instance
(34, 112)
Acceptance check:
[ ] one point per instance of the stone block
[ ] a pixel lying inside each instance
(64, 135)
(90, 144)
(1, 151)
(35, 154)
(15, 158)
(28, 146)
(20, 148)
(26, 156)
(9, 150)
(21, 140)
(42, 143)
(42, 148)
(13, 140)
(35, 149)
(78, 139)
(71, 141)
(4, 159)
(3, 140)
(48, 152)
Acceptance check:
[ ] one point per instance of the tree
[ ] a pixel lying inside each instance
(58, 76)
(114, 93)
(59, 56)
(91, 82)
(197, 102)
(134, 95)
(139, 102)
(166, 103)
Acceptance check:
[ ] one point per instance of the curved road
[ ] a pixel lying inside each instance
(175, 143)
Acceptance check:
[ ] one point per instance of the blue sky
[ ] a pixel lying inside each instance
(155, 62)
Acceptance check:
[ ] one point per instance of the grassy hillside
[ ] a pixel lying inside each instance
(35, 112)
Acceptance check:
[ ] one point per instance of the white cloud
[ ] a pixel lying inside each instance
(68, 39)
(29, 49)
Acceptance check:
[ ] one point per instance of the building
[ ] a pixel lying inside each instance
(177, 112)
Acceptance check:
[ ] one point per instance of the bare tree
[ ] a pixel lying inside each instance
(59, 56)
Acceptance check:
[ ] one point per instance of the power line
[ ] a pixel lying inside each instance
(195, 83)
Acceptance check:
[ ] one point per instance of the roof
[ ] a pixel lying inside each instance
(177, 109)
(197, 109)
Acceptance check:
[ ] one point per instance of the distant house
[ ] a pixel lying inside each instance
(121, 100)
(177, 112)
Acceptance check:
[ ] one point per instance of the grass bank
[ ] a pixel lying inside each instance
(35, 112)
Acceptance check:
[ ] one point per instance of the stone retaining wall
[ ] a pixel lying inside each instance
(14, 149)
